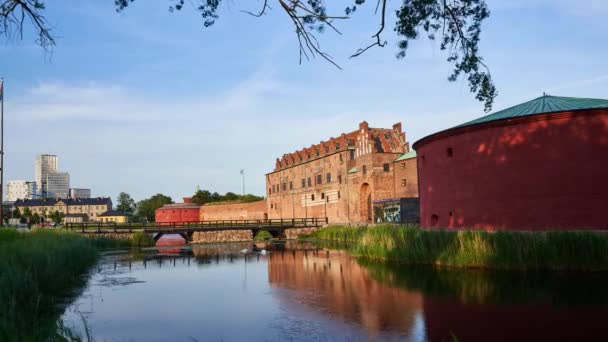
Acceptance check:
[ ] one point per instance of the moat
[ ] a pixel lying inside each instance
(297, 291)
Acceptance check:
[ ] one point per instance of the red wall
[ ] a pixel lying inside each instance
(542, 172)
(177, 215)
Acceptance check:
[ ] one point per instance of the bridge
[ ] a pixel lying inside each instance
(276, 227)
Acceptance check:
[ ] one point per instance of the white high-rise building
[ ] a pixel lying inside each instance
(57, 185)
(80, 193)
(45, 164)
(20, 189)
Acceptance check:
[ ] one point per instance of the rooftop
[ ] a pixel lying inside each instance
(545, 104)
(409, 155)
(541, 105)
(71, 201)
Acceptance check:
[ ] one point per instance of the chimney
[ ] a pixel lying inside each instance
(364, 126)
(397, 127)
(187, 199)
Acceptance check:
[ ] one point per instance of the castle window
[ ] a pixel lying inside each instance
(322, 195)
(387, 167)
(352, 154)
(271, 206)
(364, 170)
(309, 182)
(284, 186)
(303, 183)
(337, 148)
(328, 176)
(319, 179)
(338, 194)
(450, 152)
(403, 166)
(340, 179)
(278, 188)
(290, 185)
(269, 190)
(340, 154)
(312, 197)
(404, 182)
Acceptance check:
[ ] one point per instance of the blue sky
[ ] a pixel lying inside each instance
(147, 101)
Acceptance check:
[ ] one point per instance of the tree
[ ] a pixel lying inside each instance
(125, 204)
(26, 216)
(456, 24)
(205, 196)
(146, 209)
(56, 216)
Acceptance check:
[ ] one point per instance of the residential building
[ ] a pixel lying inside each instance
(45, 164)
(80, 193)
(57, 185)
(340, 178)
(20, 189)
(113, 216)
(91, 207)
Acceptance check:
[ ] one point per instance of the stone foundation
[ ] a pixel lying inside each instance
(222, 236)
(293, 233)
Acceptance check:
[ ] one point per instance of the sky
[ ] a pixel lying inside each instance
(146, 101)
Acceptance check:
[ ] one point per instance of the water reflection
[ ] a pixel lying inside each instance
(311, 292)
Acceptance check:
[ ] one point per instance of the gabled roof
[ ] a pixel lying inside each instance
(408, 155)
(541, 105)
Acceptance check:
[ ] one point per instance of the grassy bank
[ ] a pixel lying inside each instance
(498, 250)
(39, 272)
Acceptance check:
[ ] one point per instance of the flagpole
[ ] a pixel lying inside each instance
(243, 173)
(1, 151)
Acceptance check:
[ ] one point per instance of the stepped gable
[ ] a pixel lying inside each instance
(383, 140)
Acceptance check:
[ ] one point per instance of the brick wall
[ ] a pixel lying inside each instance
(233, 211)
(406, 178)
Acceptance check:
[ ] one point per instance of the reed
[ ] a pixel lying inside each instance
(550, 250)
(38, 272)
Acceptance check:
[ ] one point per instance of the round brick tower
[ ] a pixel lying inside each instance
(539, 165)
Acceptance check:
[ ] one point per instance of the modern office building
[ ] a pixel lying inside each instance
(57, 185)
(80, 193)
(45, 164)
(20, 189)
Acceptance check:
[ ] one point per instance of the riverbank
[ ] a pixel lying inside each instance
(550, 250)
(39, 270)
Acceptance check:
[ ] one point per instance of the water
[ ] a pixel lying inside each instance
(299, 292)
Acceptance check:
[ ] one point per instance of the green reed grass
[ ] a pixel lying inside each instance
(38, 271)
(551, 250)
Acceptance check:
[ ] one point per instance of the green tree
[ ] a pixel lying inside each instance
(146, 208)
(36, 218)
(456, 24)
(16, 213)
(26, 216)
(201, 196)
(125, 204)
(56, 216)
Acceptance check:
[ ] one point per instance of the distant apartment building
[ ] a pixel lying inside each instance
(45, 164)
(57, 185)
(87, 209)
(80, 193)
(20, 189)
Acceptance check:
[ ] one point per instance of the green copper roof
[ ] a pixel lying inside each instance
(353, 170)
(408, 155)
(543, 104)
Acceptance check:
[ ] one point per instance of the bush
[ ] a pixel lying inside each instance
(263, 235)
